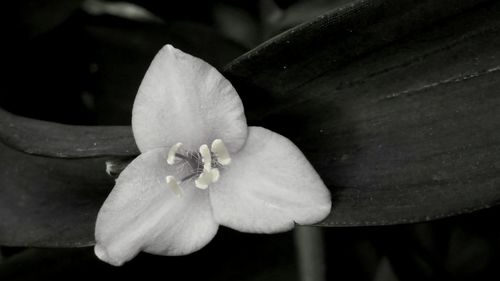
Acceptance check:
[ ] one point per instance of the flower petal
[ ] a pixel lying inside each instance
(269, 186)
(143, 214)
(184, 99)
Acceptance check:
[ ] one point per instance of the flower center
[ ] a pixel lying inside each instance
(203, 165)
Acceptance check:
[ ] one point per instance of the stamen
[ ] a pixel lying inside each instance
(206, 158)
(172, 153)
(220, 151)
(203, 180)
(206, 178)
(178, 155)
(188, 177)
(174, 185)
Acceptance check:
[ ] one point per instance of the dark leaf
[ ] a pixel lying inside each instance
(276, 20)
(65, 141)
(400, 119)
(50, 201)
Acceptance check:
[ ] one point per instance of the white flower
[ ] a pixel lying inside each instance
(201, 167)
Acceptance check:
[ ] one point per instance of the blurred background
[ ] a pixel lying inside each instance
(81, 62)
(90, 56)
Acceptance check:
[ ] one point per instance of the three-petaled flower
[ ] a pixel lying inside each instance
(201, 167)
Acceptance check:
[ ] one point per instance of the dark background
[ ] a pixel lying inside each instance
(75, 62)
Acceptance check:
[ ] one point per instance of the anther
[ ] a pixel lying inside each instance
(206, 178)
(220, 151)
(174, 185)
(172, 153)
(203, 181)
(206, 158)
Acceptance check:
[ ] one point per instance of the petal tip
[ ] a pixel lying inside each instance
(169, 48)
(102, 254)
(172, 50)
